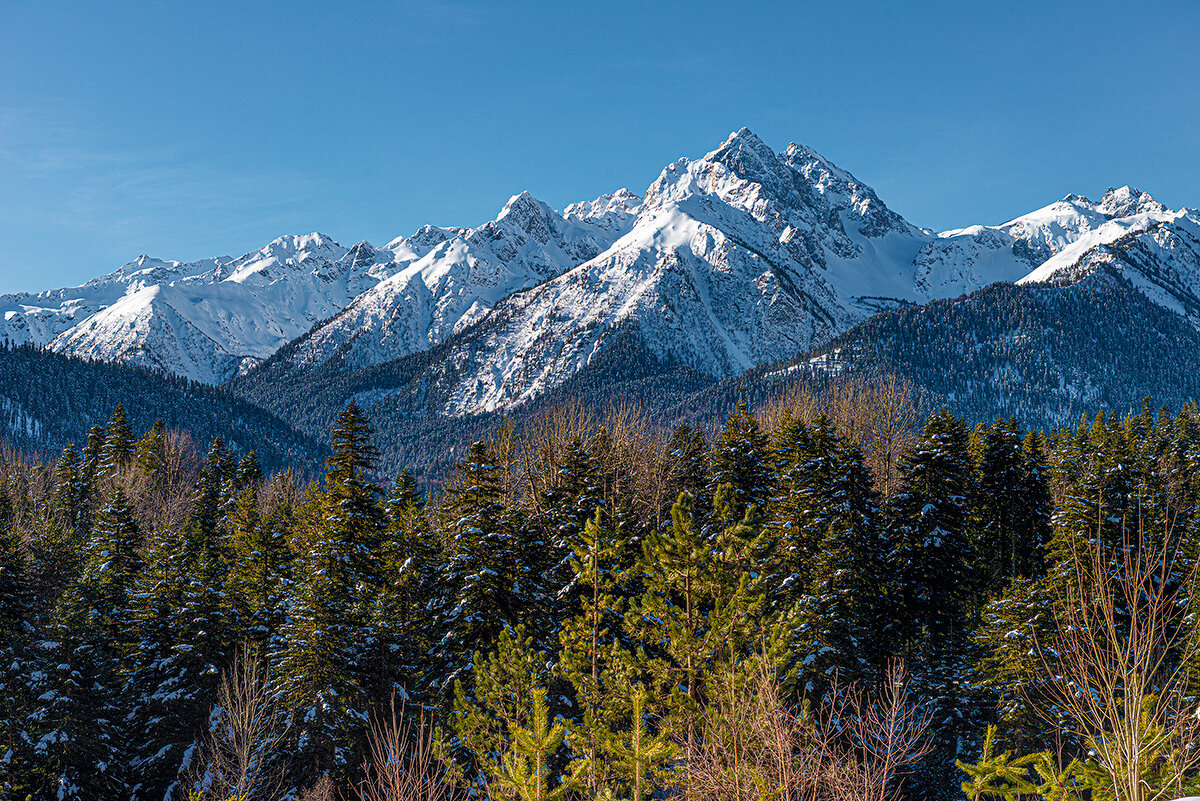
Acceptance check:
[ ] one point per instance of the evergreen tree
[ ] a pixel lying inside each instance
(802, 507)
(80, 741)
(320, 670)
(936, 553)
(740, 458)
(185, 638)
(118, 443)
(591, 653)
(846, 620)
(409, 559)
(478, 596)
(1008, 507)
(505, 721)
(16, 630)
(567, 509)
(259, 568)
(70, 494)
(686, 464)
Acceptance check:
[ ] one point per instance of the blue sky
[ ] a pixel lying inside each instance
(186, 130)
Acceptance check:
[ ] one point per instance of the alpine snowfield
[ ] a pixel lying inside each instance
(743, 257)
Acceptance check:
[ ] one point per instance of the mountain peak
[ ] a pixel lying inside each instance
(743, 146)
(529, 214)
(312, 241)
(1125, 200)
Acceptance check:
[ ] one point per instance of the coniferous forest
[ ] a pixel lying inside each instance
(833, 596)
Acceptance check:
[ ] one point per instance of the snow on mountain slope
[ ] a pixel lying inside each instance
(453, 277)
(741, 257)
(36, 319)
(209, 326)
(746, 256)
(960, 261)
(1156, 250)
(203, 320)
(736, 259)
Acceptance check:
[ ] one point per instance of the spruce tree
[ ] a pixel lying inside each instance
(320, 670)
(478, 596)
(81, 741)
(846, 620)
(936, 552)
(566, 511)
(16, 629)
(118, 443)
(186, 637)
(409, 559)
(740, 458)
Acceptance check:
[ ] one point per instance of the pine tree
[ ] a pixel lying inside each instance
(259, 568)
(1009, 506)
(70, 495)
(504, 721)
(701, 607)
(802, 508)
(686, 464)
(148, 453)
(590, 649)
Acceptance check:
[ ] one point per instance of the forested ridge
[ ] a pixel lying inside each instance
(48, 399)
(1041, 353)
(831, 596)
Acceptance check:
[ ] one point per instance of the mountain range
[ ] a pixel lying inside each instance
(740, 265)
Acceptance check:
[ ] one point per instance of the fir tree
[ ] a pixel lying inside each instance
(846, 620)
(118, 443)
(16, 628)
(185, 638)
(936, 552)
(740, 459)
(567, 509)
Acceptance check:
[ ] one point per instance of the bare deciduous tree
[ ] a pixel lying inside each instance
(402, 763)
(880, 415)
(240, 757)
(1117, 656)
(854, 748)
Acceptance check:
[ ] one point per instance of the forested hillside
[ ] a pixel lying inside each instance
(48, 400)
(831, 598)
(1043, 354)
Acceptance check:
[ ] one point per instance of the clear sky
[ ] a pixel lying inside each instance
(193, 129)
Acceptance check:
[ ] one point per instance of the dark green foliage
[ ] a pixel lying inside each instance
(320, 667)
(480, 579)
(70, 396)
(583, 613)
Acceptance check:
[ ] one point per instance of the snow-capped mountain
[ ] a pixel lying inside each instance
(202, 320)
(741, 257)
(445, 279)
(745, 256)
